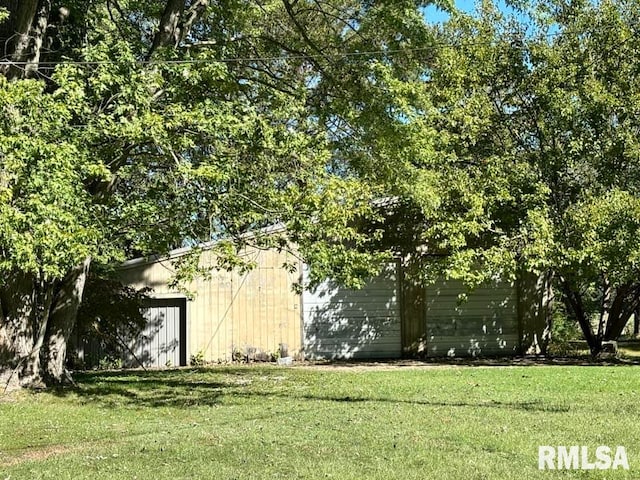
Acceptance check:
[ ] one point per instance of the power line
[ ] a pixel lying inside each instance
(224, 60)
(232, 60)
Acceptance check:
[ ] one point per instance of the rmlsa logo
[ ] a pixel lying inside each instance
(580, 458)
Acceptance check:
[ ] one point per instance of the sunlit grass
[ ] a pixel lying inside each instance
(349, 423)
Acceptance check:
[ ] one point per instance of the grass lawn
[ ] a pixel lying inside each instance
(236, 422)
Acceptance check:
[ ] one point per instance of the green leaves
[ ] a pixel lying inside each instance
(45, 213)
(603, 236)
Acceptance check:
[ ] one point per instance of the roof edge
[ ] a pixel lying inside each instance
(179, 252)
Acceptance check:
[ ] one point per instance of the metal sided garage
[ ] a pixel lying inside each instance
(340, 323)
(391, 317)
(228, 315)
(257, 315)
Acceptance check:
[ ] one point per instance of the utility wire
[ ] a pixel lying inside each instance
(227, 59)
(275, 58)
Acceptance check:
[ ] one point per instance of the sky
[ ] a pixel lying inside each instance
(435, 15)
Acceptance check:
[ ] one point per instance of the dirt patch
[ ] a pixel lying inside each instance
(35, 454)
(9, 381)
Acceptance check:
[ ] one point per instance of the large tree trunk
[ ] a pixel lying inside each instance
(62, 321)
(575, 304)
(25, 309)
(535, 293)
(625, 304)
(16, 326)
(36, 320)
(176, 23)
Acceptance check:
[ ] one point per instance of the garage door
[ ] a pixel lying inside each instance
(485, 324)
(162, 343)
(345, 323)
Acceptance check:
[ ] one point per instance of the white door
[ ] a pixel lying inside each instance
(344, 323)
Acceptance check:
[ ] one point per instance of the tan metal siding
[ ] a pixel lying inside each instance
(485, 324)
(344, 323)
(251, 313)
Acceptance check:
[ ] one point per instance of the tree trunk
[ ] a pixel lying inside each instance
(169, 30)
(574, 303)
(624, 306)
(605, 309)
(31, 374)
(176, 24)
(36, 320)
(23, 35)
(617, 306)
(61, 323)
(16, 324)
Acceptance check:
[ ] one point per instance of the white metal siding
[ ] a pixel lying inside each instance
(345, 323)
(485, 324)
(159, 345)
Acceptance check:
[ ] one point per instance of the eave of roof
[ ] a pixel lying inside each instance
(179, 252)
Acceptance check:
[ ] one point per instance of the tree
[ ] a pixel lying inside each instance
(516, 149)
(131, 127)
(588, 84)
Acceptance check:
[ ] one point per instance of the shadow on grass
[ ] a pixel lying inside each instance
(630, 347)
(528, 361)
(186, 388)
(144, 389)
(537, 406)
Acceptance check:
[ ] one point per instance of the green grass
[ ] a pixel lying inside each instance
(265, 422)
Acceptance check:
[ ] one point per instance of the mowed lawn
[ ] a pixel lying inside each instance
(260, 422)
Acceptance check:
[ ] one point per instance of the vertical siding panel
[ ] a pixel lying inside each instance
(277, 311)
(174, 352)
(156, 344)
(344, 323)
(240, 317)
(223, 312)
(266, 301)
(256, 310)
(280, 319)
(208, 317)
(199, 325)
(226, 316)
(255, 306)
(235, 313)
(252, 297)
(175, 334)
(201, 320)
(212, 316)
(171, 337)
(165, 339)
(485, 324)
(161, 338)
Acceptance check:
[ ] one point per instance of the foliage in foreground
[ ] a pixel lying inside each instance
(131, 128)
(483, 147)
(519, 152)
